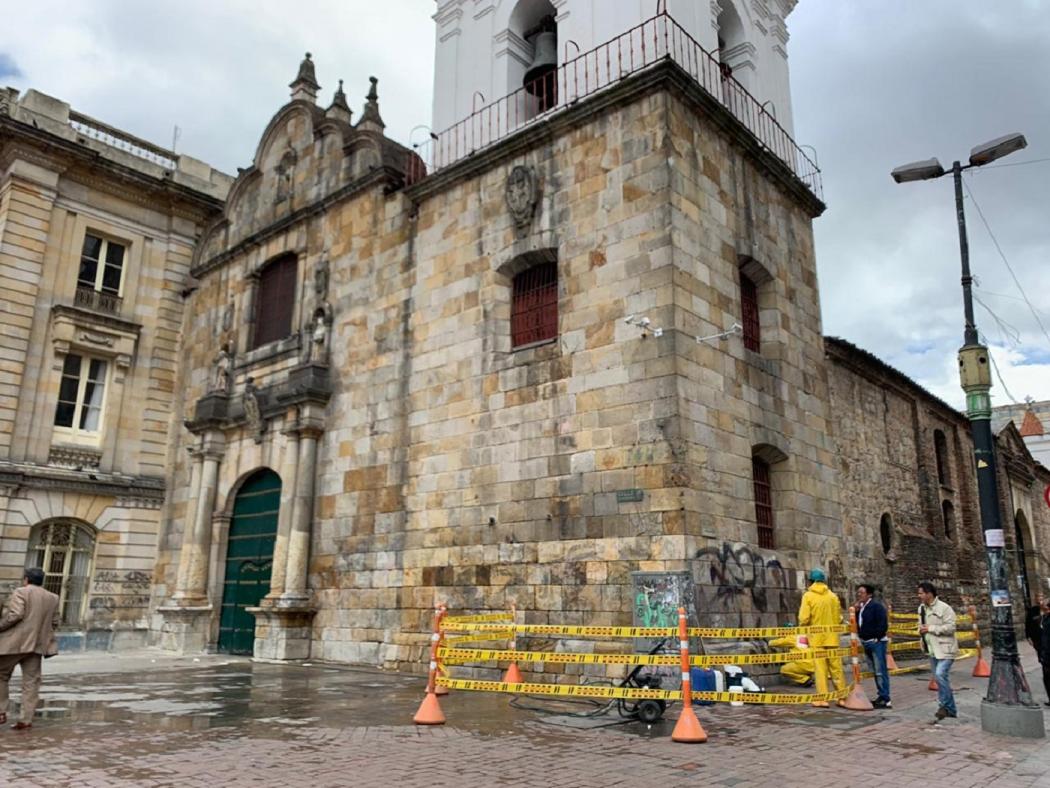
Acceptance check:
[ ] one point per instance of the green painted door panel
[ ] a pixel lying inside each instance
(249, 560)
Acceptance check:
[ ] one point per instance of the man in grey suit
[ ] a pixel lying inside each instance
(27, 634)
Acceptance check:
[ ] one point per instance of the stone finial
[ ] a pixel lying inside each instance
(339, 108)
(305, 86)
(370, 117)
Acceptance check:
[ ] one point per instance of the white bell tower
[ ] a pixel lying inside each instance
(485, 48)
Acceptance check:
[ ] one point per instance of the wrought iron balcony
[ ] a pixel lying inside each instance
(654, 41)
(87, 298)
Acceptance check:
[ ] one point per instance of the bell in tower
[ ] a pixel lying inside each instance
(541, 78)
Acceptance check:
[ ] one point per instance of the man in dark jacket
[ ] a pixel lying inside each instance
(872, 626)
(1044, 648)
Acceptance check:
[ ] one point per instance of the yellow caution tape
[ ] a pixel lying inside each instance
(641, 632)
(964, 619)
(480, 637)
(965, 653)
(773, 698)
(483, 618)
(635, 693)
(462, 656)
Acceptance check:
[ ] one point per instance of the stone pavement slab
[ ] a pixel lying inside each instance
(151, 720)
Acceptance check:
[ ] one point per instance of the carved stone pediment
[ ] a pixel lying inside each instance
(76, 330)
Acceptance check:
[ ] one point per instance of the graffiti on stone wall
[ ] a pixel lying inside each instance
(109, 581)
(738, 586)
(113, 589)
(109, 603)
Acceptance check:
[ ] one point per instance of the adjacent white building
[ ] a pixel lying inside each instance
(485, 48)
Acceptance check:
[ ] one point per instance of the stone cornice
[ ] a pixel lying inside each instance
(870, 366)
(663, 75)
(110, 176)
(141, 489)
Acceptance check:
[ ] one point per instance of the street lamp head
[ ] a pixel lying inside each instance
(996, 149)
(918, 171)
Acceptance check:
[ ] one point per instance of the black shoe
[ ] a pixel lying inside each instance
(879, 703)
(943, 712)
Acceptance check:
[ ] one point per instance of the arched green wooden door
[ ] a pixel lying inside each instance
(249, 559)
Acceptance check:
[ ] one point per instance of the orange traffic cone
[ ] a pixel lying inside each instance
(891, 663)
(932, 686)
(856, 700)
(982, 669)
(688, 728)
(513, 675)
(429, 711)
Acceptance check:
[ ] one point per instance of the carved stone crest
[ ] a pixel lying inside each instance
(252, 411)
(227, 316)
(321, 278)
(522, 195)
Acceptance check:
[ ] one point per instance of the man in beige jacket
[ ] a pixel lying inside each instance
(27, 634)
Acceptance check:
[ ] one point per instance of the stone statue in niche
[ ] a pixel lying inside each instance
(285, 175)
(319, 332)
(252, 411)
(222, 366)
(522, 194)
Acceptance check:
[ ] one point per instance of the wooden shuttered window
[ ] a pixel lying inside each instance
(763, 502)
(275, 301)
(534, 305)
(749, 313)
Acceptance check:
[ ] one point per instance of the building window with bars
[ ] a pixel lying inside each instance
(81, 396)
(65, 551)
(749, 313)
(534, 305)
(275, 301)
(101, 265)
(762, 480)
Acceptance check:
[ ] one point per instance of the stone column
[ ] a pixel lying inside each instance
(181, 578)
(196, 582)
(289, 469)
(302, 517)
(187, 618)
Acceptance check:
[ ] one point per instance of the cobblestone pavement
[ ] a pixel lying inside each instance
(158, 721)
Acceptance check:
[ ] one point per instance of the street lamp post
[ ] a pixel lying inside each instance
(1008, 708)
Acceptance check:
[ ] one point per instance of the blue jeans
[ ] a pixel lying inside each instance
(941, 668)
(875, 651)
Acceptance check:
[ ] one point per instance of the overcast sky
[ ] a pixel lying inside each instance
(876, 83)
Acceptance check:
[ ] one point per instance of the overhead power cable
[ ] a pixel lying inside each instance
(1006, 262)
(998, 374)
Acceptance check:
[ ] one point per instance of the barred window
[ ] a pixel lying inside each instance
(948, 516)
(534, 305)
(763, 502)
(101, 265)
(64, 550)
(749, 313)
(275, 301)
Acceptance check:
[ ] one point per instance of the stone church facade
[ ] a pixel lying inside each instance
(566, 355)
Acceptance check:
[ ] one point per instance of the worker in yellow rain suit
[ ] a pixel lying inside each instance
(799, 671)
(820, 607)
